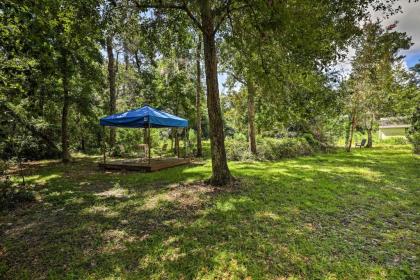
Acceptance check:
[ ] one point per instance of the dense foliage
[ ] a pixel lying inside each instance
(379, 85)
(272, 149)
(65, 64)
(414, 131)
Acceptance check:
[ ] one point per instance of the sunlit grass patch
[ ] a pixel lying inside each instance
(335, 216)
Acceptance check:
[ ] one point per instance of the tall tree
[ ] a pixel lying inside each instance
(251, 116)
(198, 98)
(267, 18)
(66, 76)
(373, 78)
(76, 30)
(221, 173)
(208, 22)
(111, 83)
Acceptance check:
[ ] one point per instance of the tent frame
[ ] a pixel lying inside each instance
(147, 118)
(147, 130)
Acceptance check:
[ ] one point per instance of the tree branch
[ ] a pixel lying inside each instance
(240, 80)
(182, 7)
(222, 19)
(28, 125)
(217, 12)
(228, 9)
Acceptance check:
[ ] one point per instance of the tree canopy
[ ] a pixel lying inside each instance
(65, 64)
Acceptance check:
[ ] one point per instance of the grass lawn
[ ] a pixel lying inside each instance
(335, 216)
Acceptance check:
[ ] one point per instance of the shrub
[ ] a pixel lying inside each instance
(396, 140)
(414, 131)
(275, 149)
(415, 140)
(314, 143)
(269, 149)
(28, 147)
(238, 150)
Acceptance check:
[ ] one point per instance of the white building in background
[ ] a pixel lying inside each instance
(393, 127)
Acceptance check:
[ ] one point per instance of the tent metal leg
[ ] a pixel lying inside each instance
(103, 144)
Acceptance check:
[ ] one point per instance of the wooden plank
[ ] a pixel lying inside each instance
(128, 167)
(155, 165)
(164, 165)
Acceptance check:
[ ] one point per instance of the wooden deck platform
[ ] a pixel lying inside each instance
(142, 164)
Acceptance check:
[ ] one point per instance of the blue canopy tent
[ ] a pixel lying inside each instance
(144, 117)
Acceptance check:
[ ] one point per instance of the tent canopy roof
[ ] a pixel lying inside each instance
(143, 117)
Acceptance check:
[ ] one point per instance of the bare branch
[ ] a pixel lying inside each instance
(192, 17)
(222, 19)
(239, 79)
(219, 11)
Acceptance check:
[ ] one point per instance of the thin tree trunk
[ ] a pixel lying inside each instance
(65, 116)
(176, 143)
(251, 117)
(138, 62)
(116, 66)
(24, 122)
(221, 174)
(112, 92)
(198, 100)
(369, 133)
(82, 144)
(369, 140)
(172, 140)
(353, 125)
(126, 70)
(347, 133)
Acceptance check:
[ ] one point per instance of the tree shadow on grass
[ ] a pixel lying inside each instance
(309, 217)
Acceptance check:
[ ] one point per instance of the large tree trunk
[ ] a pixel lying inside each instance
(198, 100)
(251, 117)
(65, 116)
(221, 174)
(112, 92)
(353, 125)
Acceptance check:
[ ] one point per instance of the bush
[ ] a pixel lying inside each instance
(27, 147)
(415, 140)
(238, 150)
(396, 140)
(414, 131)
(269, 149)
(274, 149)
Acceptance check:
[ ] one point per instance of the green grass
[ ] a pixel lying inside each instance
(335, 216)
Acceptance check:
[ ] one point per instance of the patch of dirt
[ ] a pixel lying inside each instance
(189, 195)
